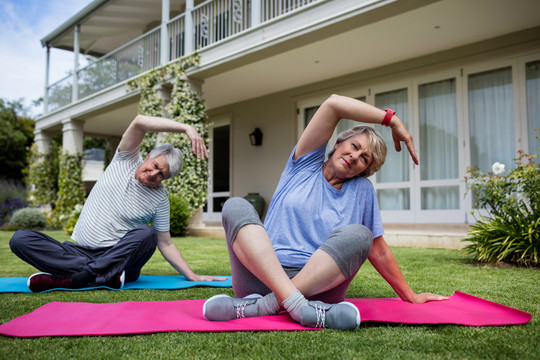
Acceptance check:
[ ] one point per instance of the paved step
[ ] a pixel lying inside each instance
(444, 236)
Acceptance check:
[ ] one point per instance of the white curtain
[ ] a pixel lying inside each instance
(438, 130)
(438, 143)
(440, 198)
(491, 118)
(394, 199)
(396, 166)
(533, 105)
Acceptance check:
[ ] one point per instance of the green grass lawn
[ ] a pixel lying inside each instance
(434, 270)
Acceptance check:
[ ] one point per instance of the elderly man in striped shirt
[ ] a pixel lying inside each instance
(112, 238)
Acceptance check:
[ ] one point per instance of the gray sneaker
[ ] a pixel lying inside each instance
(224, 308)
(342, 316)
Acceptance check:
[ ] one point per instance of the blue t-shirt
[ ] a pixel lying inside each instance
(305, 208)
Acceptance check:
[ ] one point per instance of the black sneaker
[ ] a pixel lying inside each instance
(117, 282)
(44, 281)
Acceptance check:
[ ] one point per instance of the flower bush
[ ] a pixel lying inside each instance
(42, 176)
(511, 230)
(28, 218)
(8, 207)
(12, 198)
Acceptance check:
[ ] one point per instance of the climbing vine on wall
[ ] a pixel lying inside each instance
(150, 103)
(41, 176)
(185, 106)
(70, 188)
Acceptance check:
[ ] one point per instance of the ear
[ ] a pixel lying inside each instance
(147, 155)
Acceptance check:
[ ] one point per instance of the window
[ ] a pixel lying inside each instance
(219, 168)
(437, 112)
(396, 166)
(533, 105)
(491, 118)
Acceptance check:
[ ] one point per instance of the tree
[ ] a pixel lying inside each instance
(16, 137)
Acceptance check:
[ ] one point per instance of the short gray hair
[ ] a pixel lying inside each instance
(174, 156)
(378, 146)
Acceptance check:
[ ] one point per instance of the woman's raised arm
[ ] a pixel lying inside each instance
(337, 107)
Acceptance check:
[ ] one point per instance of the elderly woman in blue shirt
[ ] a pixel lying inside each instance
(322, 224)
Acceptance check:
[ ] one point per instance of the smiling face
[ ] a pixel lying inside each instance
(351, 157)
(152, 171)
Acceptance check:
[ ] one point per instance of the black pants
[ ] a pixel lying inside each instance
(49, 255)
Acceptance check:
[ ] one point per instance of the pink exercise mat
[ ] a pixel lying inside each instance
(142, 317)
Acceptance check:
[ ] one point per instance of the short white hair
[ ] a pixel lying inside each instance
(174, 157)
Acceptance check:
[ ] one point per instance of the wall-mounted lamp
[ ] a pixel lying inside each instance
(256, 137)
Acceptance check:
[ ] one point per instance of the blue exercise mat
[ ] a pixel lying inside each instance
(18, 284)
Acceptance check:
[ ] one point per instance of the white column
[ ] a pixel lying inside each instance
(76, 50)
(188, 28)
(43, 141)
(165, 12)
(47, 70)
(72, 136)
(256, 7)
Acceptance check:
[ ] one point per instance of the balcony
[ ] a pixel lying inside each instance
(196, 29)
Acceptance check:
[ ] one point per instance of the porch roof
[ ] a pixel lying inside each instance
(109, 24)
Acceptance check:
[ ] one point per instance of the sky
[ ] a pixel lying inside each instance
(23, 23)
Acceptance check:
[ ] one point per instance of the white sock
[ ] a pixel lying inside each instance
(268, 305)
(294, 303)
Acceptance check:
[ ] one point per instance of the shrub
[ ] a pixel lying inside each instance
(180, 215)
(511, 231)
(9, 207)
(12, 197)
(11, 189)
(28, 218)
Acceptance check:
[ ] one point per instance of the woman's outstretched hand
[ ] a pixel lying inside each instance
(425, 297)
(400, 133)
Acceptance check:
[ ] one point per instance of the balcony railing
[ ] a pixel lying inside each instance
(218, 19)
(212, 21)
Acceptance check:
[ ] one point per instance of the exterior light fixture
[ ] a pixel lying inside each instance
(255, 138)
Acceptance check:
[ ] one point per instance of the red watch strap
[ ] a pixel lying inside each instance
(388, 117)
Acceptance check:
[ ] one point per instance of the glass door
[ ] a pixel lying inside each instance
(440, 168)
(219, 171)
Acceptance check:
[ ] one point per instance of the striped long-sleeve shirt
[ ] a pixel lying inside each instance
(118, 203)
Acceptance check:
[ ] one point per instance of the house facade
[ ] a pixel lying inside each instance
(463, 75)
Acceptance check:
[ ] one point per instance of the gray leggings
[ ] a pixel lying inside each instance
(349, 246)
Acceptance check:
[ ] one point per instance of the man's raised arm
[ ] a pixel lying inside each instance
(134, 134)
